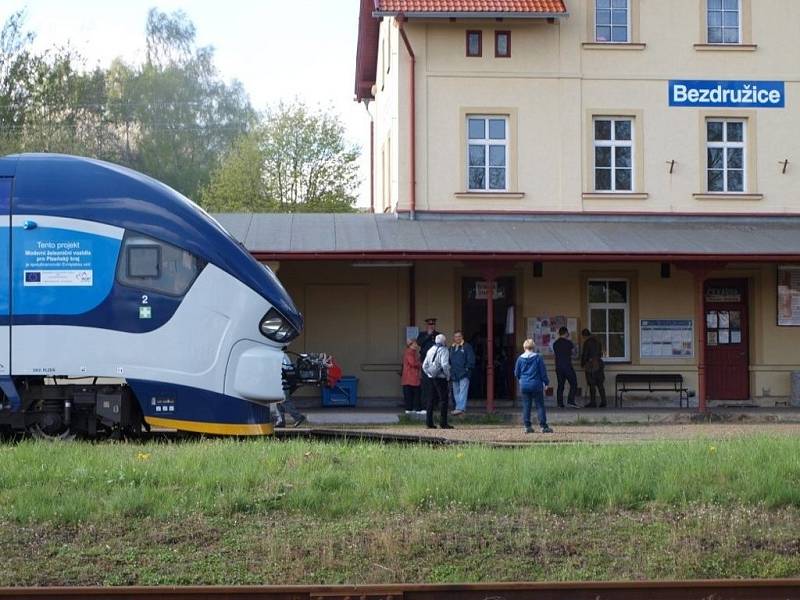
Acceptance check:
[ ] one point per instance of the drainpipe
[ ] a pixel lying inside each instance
(401, 19)
(489, 275)
(371, 157)
(700, 317)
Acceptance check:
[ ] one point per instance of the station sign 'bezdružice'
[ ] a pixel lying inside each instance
(729, 94)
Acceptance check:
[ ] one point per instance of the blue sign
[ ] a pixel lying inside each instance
(733, 94)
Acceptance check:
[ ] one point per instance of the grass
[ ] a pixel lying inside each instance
(67, 483)
(262, 511)
(439, 546)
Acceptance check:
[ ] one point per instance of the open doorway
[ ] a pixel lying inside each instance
(474, 325)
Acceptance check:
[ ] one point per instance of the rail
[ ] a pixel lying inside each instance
(651, 590)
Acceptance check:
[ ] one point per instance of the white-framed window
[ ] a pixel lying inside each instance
(613, 154)
(609, 301)
(612, 21)
(724, 21)
(487, 153)
(726, 155)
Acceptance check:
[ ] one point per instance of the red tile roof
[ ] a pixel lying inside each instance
(459, 6)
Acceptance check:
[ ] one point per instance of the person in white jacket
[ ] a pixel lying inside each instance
(436, 367)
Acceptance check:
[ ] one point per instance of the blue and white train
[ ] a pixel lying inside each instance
(124, 305)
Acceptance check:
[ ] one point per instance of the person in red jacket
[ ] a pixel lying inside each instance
(411, 377)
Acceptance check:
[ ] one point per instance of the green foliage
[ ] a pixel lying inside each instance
(171, 117)
(68, 482)
(297, 161)
(237, 185)
(296, 512)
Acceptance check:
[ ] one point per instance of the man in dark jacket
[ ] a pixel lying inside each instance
(426, 339)
(462, 362)
(563, 349)
(592, 363)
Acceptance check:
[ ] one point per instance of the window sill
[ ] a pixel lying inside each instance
(501, 195)
(726, 47)
(727, 196)
(615, 196)
(613, 46)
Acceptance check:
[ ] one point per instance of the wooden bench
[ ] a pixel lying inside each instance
(650, 382)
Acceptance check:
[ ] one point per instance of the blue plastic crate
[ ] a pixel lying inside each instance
(344, 393)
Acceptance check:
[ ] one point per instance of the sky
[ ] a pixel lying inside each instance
(278, 49)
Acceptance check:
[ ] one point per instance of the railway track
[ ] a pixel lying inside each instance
(683, 590)
(389, 437)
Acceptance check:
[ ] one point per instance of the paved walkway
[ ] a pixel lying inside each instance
(648, 416)
(605, 434)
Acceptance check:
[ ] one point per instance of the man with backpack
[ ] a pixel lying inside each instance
(436, 367)
(592, 363)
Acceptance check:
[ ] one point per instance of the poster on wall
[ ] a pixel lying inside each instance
(666, 338)
(789, 296)
(544, 331)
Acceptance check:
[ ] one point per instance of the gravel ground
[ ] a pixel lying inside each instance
(599, 434)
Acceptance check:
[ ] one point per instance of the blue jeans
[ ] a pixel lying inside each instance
(460, 391)
(287, 405)
(528, 398)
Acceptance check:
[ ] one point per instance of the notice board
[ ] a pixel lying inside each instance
(789, 296)
(666, 338)
(544, 331)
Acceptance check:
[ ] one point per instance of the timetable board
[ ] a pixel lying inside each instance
(666, 338)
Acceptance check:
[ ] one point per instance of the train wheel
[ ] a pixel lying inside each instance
(38, 433)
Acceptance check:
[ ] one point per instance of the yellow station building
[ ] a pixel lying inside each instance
(629, 166)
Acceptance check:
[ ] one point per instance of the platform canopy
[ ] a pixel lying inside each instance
(534, 237)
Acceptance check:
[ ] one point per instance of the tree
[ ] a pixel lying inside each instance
(15, 69)
(238, 184)
(186, 117)
(171, 117)
(297, 161)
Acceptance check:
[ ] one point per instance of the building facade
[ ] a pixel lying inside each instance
(626, 166)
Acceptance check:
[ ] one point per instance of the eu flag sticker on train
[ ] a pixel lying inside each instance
(60, 278)
(145, 312)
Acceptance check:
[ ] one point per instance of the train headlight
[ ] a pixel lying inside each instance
(274, 327)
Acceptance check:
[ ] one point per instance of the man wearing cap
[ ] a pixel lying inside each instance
(426, 340)
(436, 367)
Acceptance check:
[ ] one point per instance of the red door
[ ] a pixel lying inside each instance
(726, 339)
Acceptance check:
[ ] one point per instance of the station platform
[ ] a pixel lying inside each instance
(392, 415)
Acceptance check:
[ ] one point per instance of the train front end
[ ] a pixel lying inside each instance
(127, 305)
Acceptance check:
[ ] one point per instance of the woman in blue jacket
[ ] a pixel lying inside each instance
(532, 376)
